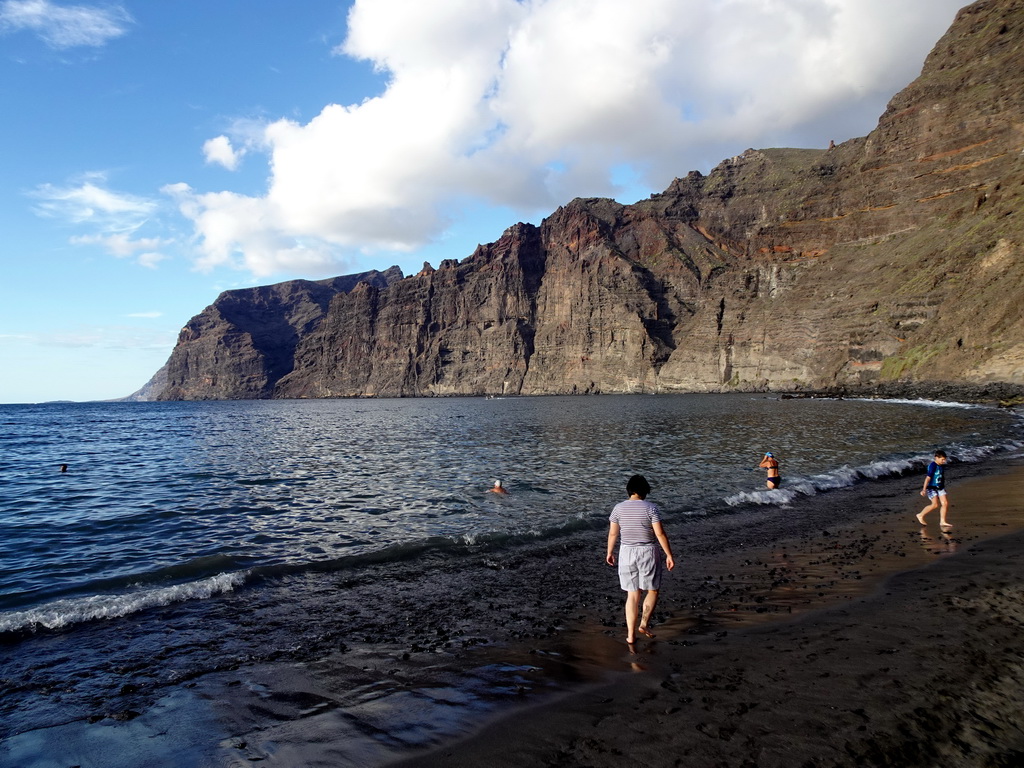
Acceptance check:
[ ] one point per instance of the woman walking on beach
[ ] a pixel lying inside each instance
(638, 522)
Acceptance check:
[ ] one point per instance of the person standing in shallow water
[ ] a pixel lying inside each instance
(770, 463)
(638, 523)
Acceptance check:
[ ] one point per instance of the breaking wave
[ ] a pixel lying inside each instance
(844, 477)
(923, 403)
(64, 613)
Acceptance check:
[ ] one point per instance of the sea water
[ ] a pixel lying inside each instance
(181, 504)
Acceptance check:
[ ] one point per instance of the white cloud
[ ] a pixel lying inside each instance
(101, 337)
(65, 26)
(120, 244)
(220, 151)
(248, 233)
(150, 259)
(123, 246)
(529, 103)
(115, 216)
(88, 201)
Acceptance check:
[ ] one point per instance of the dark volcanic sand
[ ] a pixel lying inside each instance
(926, 670)
(783, 640)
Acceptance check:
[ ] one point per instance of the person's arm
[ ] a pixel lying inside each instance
(764, 462)
(927, 478)
(659, 532)
(613, 536)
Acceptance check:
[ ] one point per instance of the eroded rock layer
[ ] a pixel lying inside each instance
(892, 258)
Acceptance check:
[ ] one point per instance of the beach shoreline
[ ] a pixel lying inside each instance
(517, 674)
(922, 667)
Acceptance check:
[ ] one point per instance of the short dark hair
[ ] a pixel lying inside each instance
(638, 484)
(940, 454)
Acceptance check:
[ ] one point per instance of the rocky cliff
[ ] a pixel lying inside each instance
(892, 258)
(241, 345)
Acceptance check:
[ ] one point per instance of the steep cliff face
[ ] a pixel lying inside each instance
(465, 328)
(895, 257)
(243, 343)
(899, 254)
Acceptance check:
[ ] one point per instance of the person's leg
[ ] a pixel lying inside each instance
(931, 505)
(632, 603)
(649, 602)
(943, 509)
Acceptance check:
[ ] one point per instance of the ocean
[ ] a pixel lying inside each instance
(185, 539)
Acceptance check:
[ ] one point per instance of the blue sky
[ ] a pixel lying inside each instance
(154, 154)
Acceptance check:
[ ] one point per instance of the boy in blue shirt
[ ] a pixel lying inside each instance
(935, 490)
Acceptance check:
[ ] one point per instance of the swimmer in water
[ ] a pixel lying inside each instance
(770, 463)
(498, 488)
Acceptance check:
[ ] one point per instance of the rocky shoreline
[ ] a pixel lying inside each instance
(998, 394)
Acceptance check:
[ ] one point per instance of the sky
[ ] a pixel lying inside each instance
(154, 154)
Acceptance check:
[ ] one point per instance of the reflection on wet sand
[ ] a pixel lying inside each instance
(942, 544)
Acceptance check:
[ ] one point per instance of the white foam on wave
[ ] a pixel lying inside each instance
(64, 613)
(924, 403)
(981, 452)
(778, 497)
(845, 476)
(841, 477)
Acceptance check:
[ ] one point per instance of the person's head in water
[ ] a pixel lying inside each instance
(638, 485)
(63, 467)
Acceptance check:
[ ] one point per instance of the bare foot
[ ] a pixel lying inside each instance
(920, 518)
(645, 632)
(630, 641)
(945, 526)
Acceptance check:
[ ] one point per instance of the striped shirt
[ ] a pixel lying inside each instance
(636, 519)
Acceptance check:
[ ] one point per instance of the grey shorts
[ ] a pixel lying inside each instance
(639, 567)
(934, 493)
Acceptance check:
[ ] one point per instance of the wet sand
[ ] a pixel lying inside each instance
(925, 669)
(834, 633)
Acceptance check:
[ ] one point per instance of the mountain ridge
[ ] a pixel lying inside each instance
(889, 262)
